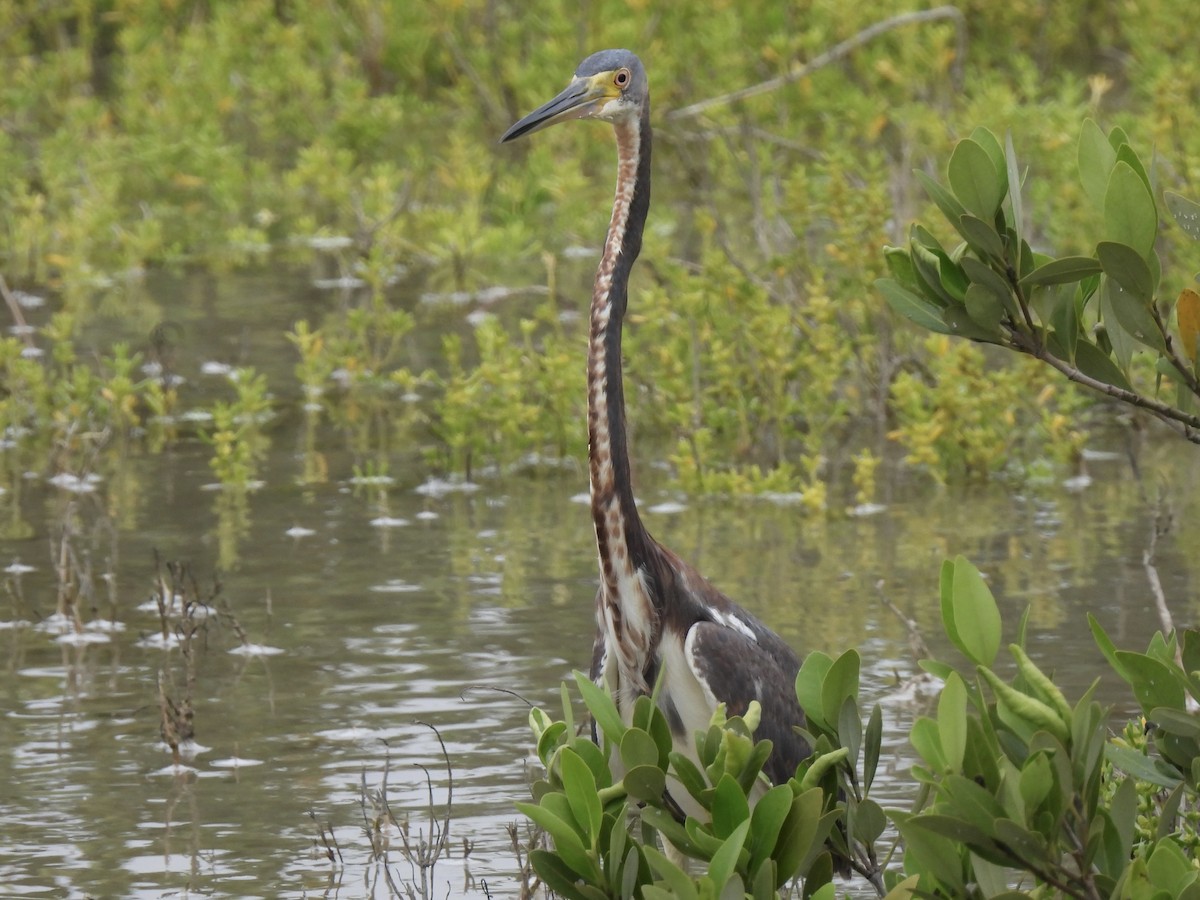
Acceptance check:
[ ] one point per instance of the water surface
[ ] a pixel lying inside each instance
(391, 610)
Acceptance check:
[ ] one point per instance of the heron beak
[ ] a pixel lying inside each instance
(578, 101)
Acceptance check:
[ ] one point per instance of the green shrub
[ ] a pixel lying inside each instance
(1103, 320)
(1020, 792)
(139, 135)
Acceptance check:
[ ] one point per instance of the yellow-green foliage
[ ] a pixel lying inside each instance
(135, 133)
(520, 397)
(946, 429)
(66, 405)
(236, 433)
(749, 384)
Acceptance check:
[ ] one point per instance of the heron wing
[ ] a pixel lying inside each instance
(734, 668)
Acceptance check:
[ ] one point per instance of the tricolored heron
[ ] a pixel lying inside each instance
(656, 616)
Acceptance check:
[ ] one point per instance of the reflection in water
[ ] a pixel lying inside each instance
(398, 606)
(384, 629)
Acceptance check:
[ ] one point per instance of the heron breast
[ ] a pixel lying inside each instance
(692, 700)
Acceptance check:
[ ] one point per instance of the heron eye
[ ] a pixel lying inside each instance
(621, 78)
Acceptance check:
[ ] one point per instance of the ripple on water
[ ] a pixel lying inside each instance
(175, 608)
(440, 487)
(105, 626)
(396, 586)
(487, 584)
(188, 749)
(66, 855)
(210, 860)
(175, 770)
(235, 762)
(55, 725)
(57, 623)
(375, 680)
(359, 734)
(58, 672)
(379, 646)
(158, 641)
(389, 522)
(74, 484)
(39, 752)
(83, 638)
(396, 628)
(256, 650)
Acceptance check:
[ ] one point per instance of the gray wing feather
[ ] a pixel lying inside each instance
(735, 669)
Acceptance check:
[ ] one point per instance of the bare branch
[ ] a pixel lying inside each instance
(444, 831)
(1177, 359)
(1186, 424)
(916, 643)
(495, 111)
(835, 53)
(1160, 527)
(15, 308)
(471, 688)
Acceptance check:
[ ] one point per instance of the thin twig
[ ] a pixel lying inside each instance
(444, 836)
(1160, 526)
(1028, 340)
(1182, 365)
(1186, 424)
(916, 643)
(14, 307)
(482, 87)
(837, 52)
(868, 868)
(328, 840)
(499, 690)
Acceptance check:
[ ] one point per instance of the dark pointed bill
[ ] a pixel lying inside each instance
(575, 102)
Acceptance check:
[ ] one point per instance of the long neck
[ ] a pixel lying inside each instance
(620, 536)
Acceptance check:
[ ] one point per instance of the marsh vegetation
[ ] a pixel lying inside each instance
(282, 311)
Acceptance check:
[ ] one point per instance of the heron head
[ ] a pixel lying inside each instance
(609, 85)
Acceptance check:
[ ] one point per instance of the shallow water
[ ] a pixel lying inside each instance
(403, 608)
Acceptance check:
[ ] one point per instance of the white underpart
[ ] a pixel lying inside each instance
(694, 702)
(692, 663)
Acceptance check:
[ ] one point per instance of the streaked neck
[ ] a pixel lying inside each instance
(620, 537)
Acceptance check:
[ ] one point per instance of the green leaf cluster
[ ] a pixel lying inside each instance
(1020, 783)
(140, 135)
(65, 416)
(846, 757)
(750, 414)
(1086, 316)
(606, 806)
(966, 416)
(1166, 682)
(1021, 792)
